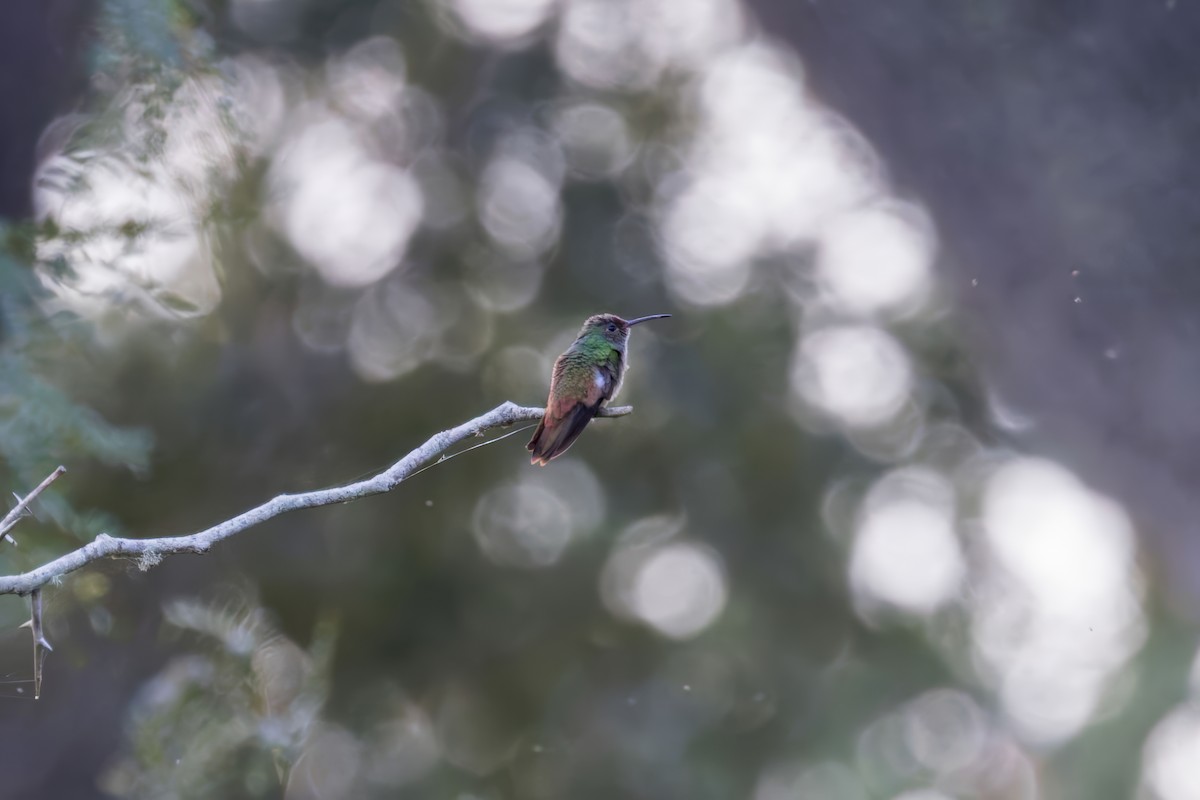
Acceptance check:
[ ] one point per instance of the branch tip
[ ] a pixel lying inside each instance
(21, 509)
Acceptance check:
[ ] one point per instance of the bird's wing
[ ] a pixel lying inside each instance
(613, 375)
(553, 440)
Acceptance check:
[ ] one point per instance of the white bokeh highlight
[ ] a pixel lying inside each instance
(1057, 613)
(877, 259)
(346, 213)
(519, 206)
(501, 21)
(159, 274)
(946, 730)
(654, 576)
(766, 169)
(368, 81)
(393, 330)
(906, 552)
(132, 212)
(402, 748)
(522, 525)
(1171, 754)
(858, 375)
(595, 139)
(679, 590)
(629, 44)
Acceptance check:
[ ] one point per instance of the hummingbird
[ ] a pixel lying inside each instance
(585, 377)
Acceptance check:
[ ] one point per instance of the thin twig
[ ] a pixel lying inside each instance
(40, 646)
(13, 517)
(151, 551)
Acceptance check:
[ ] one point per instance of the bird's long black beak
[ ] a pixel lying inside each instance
(646, 319)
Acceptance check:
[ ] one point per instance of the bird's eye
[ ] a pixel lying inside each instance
(612, 327)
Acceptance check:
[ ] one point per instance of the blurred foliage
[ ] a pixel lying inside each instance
(41, 426)
(231, 719)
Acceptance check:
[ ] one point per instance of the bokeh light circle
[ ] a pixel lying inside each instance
(679, 590)
(906, 552)
(522, 525)
(856, 374)
(877, 259)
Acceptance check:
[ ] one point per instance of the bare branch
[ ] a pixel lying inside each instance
(13, 517)
(151, 551)
(40, 645)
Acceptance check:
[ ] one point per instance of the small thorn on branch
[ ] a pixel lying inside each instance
(21, 509)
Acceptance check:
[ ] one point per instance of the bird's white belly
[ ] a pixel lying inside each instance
(601, 381)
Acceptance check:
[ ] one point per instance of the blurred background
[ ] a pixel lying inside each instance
(905, 507)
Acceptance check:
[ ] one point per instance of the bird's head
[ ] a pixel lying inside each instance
(612, 328)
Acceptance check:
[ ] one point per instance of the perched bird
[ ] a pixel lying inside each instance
(585, 377)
